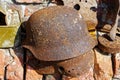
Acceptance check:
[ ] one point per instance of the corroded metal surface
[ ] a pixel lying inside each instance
(77, 66)
(72, 67)
(57, 33)
(109, 46)
(42, 67)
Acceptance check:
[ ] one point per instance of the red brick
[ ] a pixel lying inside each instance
(103, 66)
(31, 74)
(10, 64)
(15, 66)
(116, 65)
(30, 1)
(2, 60)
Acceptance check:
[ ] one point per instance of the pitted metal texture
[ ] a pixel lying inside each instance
(57, 33)
(77, 66)
(71, 67)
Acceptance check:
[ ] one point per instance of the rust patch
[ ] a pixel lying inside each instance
(57, 33)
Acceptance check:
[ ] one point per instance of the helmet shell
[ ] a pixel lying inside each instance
(77, 66)
(57, 33)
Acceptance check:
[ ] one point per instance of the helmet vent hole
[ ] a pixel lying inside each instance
(77, 6)
(69, 71)
(86, 1)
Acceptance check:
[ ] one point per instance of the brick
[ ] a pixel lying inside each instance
(10, 65)
(30, 9)
(15, 66)
(116, 65)
(30, 1)
(2, 60)
(6, 59)
(103, 66)
(31, 74)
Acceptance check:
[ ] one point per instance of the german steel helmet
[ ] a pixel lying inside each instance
(71, 67)
(57, 33)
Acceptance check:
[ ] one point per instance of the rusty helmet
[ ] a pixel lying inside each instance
(57, 33)
(77, 66)
(71, 67)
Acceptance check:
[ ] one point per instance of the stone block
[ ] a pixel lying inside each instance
(103, 66)
(30, 1)
(14, 67)
(31, 74)
(10, 65)
(116, 65)
(2, 65)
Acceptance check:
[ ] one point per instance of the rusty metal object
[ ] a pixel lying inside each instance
(106, 45)
(57, 33)
(72, 67)
(77, 66)
(108, 13)
(42, 67)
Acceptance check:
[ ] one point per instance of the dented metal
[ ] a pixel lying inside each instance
(57, 33)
